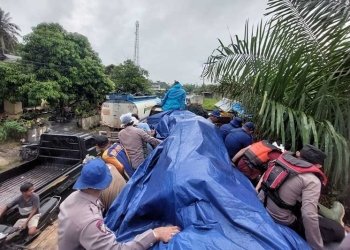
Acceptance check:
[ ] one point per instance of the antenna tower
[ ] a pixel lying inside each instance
(136, 48)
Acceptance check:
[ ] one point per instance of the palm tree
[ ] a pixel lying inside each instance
(293, 73)
(8, 32)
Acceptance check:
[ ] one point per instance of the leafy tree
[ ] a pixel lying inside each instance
(292, 72)
(66, 67)
(37, 91)
(8, 32)
(162, 85)
(129, 78)
(20, 85)
(13, 78)
(189, 88)
(207, 88)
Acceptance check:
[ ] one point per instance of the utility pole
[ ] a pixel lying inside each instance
(136, 48)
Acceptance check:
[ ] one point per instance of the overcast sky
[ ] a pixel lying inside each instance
(176, 36)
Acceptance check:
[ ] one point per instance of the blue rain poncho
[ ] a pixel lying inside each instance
(175, 98)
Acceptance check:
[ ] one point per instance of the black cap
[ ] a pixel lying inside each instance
(101, 140)
(312, 154)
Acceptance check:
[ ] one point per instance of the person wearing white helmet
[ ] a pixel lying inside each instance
(133, 139)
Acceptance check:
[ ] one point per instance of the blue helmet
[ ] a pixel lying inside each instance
(215, 113)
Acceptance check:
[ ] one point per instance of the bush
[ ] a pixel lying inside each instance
(209, 103)
(12, 130)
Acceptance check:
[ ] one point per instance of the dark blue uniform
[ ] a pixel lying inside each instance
(236, 140)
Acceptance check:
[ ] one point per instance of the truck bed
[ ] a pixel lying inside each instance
(40, 176)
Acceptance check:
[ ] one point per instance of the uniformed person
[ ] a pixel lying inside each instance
(80, 221)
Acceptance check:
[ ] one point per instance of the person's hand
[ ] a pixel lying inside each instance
(165, 234)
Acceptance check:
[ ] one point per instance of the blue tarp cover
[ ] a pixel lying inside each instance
(188, 181)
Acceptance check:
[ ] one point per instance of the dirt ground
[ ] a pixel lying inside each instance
(9, 154)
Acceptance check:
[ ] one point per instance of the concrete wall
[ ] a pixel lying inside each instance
(89, 122)
(13, 108)
(33, 134)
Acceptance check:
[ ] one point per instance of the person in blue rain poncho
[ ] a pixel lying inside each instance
(175, 98)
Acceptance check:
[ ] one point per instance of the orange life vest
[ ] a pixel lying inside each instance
(258, 153)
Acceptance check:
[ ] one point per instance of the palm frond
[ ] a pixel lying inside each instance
(293, 73)
(303, 129)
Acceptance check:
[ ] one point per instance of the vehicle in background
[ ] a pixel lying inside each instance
(118, 104)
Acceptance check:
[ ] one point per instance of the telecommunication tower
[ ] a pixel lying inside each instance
(136, 49)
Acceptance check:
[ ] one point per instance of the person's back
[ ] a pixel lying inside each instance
(297, 188)
(236, 140)
(111, 193)
(293, 202)
(304, 188)
(132, 139)
(76, 212)
(252, 160)
(233, 124)
(118, 157)
(175, 98)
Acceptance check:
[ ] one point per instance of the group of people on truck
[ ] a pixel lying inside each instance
(288, 185)
(101, 180)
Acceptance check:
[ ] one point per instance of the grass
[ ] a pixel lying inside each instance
(208, 103)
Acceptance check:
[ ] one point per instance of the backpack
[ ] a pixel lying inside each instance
(280, 170)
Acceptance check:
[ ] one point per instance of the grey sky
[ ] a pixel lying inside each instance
(176, 36)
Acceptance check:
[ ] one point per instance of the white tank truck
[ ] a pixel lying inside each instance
(118, 104)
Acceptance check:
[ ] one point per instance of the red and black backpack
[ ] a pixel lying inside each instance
(284, 167)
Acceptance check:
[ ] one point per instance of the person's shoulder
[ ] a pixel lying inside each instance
(144, 126)
(139, 130)
(235, 132)
(309, 178)
(18, 199)
(72, 197)
(36, 196)
(224, 127)
(105, 153)
(76, 202)
(126, 130)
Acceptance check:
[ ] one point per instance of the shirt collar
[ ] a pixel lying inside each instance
(88, 197)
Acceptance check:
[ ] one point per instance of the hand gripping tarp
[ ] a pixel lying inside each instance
(188, 181)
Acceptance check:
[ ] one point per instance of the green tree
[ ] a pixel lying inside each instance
(65, 66)
(8, 32)
(292, 73)
(190, 88)
(129, 78)
(13, 78)
(213, 88)
(163, 85)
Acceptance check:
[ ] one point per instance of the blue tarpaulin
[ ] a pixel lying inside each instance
(188, 181)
